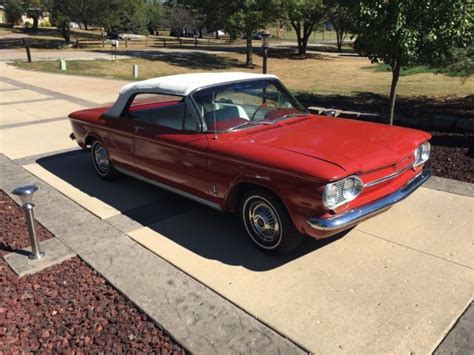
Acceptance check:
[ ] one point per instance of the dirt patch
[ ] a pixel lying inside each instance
(68, 307)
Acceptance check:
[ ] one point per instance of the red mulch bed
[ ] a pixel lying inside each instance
(68, 307)
(452, 155)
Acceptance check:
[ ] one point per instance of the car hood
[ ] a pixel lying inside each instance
(353, 145)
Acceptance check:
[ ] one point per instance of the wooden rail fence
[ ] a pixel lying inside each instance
(151, 41)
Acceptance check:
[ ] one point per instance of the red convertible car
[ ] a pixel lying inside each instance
(242, 143)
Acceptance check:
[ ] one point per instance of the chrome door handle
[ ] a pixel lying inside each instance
(138, 128)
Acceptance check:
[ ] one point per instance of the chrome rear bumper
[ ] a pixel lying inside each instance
(352, 217)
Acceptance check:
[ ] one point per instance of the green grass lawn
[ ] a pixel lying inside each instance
(347, 82)
(316, 37)
(317, 73)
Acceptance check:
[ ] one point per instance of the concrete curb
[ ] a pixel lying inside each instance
(449, 185)
(459, 334)
(199, 319)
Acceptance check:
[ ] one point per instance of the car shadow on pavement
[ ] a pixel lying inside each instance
(221, 237)
(208, 233)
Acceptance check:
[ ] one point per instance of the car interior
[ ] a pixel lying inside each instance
(169, 114)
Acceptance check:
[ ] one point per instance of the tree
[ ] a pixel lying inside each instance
(120, 15)
(211, 14)
(410, 32)
(14, 10)
(179, 19)
(303, 16)
(34, 10)
(133, 16)
(338, 15)
(112, 15)
(249, 16)
(154, 15)
(460, 61)
(89, 12)
(63, 13)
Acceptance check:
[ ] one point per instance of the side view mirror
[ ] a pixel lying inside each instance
(331, 113)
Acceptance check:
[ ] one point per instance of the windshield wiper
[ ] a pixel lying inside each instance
(249, 123)
(295, 114)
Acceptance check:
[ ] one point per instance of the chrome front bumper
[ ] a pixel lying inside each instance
(352, 217)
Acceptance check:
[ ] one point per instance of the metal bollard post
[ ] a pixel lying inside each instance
(62, 64)
(265, 60)
(135, 71)
(28, 53)
(26, 195)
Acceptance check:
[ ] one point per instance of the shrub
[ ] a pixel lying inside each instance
(45, 23)
(14, 10)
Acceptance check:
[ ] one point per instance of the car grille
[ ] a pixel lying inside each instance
(388, 177)
(340, 190)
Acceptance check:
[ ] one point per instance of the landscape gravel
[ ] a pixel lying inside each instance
(67, 308)
(452, 155)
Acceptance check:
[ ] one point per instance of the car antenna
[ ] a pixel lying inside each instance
(214, 106)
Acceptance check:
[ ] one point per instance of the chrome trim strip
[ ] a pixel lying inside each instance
(388, 177)
(171, 189)
(355, 216)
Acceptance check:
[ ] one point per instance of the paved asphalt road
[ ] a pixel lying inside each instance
(8, 55)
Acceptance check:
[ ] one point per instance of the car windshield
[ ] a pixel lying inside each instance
(246, 104)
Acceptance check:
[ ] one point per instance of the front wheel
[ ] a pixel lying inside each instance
(101, 161)
(268, 223)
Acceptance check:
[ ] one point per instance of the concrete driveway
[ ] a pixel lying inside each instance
(394, 284)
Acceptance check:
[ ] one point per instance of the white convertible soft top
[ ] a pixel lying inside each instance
(179, 85)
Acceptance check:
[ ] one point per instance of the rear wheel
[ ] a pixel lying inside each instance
(101, 161)
(268, 223)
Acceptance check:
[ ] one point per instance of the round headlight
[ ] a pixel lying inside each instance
(351, 188)
(342, 191)
(422, 154)
(331, 195)
(425, 151)
(348, 188)
(416, 153)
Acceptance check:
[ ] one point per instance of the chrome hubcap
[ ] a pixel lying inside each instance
(101, 157)
(264, 222)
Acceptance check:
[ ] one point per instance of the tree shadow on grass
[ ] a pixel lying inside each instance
(290, 54)
(282, 52)
(196, 60)
(273, 52)
(41, 43)
(417, 106)
(44, 38)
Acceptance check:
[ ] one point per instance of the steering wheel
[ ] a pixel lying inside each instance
(225, 100)
(262, 106)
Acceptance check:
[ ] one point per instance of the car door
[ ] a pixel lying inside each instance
(170, 149)
(117, 134)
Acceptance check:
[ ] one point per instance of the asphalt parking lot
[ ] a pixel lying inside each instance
(396, 283)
